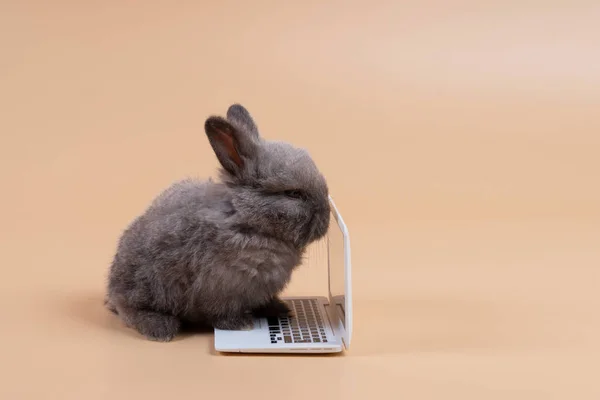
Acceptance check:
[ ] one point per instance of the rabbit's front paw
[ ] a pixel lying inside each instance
(275, 308)
(239, 323)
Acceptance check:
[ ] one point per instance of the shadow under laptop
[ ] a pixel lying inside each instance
(301, 355)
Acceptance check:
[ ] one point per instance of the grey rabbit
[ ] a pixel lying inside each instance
(219, 253)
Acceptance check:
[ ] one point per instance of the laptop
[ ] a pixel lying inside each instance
(319, 324)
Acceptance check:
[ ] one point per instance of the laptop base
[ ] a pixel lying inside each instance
(309, 331)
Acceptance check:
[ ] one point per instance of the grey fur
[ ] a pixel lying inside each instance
(216, 254)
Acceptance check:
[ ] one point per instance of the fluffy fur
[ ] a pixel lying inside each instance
(218, 253)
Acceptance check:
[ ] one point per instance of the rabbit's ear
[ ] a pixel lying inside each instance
(239, 116)
(230, 145)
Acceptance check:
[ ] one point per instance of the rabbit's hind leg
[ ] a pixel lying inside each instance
(153, 325)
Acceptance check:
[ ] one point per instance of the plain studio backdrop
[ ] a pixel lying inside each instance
(460, 141)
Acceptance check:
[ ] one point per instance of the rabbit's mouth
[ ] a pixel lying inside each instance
(317, 227)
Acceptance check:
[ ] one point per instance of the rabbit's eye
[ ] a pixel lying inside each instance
(295, 194)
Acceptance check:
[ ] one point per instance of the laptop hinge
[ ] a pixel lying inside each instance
(334, 322)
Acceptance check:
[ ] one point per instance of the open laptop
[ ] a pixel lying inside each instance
(320, 324)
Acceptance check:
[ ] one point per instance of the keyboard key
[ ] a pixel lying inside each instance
(306, 327)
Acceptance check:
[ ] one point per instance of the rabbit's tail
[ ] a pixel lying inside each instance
(111, 307)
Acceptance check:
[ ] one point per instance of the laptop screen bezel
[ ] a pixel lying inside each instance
(344, 327)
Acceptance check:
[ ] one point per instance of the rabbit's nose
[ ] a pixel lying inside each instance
(322, 206)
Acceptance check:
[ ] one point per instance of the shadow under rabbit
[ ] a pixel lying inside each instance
(89, 309)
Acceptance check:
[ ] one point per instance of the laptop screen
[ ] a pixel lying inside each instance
(338, 254)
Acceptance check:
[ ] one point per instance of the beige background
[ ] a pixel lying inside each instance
(460, 141)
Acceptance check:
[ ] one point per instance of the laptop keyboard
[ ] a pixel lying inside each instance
(305, 327)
